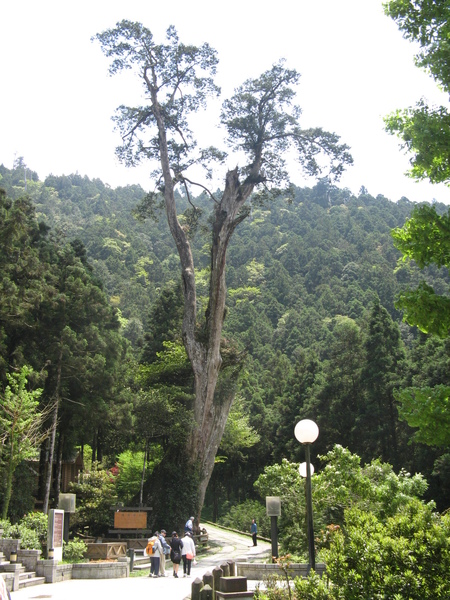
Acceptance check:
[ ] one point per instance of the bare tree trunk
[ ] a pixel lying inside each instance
(57, 483)
(9, 479)
(54, 425)
(49, 467)
(141, 492)
(43, 468)
(99, 444)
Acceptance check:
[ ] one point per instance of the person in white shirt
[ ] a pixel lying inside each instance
(187, 553)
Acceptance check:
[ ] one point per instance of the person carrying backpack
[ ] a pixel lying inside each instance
(154, 551)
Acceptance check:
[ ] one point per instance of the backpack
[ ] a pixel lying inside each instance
(149, 549)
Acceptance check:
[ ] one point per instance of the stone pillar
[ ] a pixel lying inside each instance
(196, 587)
(217, 574)
(232, 565)
(125, 559)
(16, 571)
(206, 593)
(226, 569)
(208, 579)
(47, 568)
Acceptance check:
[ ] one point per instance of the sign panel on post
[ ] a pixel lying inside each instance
(130, 520)
(55, 532)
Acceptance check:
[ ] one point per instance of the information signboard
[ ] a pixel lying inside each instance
(130, 520)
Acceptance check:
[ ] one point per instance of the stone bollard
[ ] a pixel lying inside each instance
(226, 569)
(208, 579)
(196, 587)
(232, 565)
(217, 574)
(206, 593)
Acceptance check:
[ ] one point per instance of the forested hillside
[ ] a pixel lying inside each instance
(311, 304)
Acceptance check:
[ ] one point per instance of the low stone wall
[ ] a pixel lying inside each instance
(260, 571)
(110, 570)
(53, 572)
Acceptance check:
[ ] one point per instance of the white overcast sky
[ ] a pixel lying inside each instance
(57, 99)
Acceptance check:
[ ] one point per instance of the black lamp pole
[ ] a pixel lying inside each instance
(306, 432)
(309, 511)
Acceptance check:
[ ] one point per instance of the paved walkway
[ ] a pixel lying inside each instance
(224, 545)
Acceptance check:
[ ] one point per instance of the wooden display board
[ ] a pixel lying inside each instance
(130, 520)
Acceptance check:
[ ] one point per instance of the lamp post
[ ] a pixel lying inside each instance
(307, 432)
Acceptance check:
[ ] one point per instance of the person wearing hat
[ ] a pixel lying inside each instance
(165, 550)
(175, 553)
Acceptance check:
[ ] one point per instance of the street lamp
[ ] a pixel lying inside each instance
(307, 432)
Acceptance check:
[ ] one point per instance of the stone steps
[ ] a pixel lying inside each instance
(29, 578)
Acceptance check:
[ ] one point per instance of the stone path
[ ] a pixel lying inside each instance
(224, 545)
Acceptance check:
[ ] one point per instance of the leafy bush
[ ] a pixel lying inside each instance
(312, 587)
(408, 556)
(29, 538)
(341, 484)
(74, 551)
(6, 526)
(240, 517)
(31, 530)
(37, 522)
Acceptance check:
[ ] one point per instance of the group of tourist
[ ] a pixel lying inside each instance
(179, 549)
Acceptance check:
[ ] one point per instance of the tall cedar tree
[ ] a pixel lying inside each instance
(262, 123)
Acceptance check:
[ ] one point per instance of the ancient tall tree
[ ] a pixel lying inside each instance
(262, 124)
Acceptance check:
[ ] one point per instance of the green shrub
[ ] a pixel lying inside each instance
(342, 483)
(31, 530)
(6, 526)
(408, 556)
(312, 587)
(29, 539)
(74, 551)
(38, 522)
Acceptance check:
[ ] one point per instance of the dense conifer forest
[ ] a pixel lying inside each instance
(91, 301)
